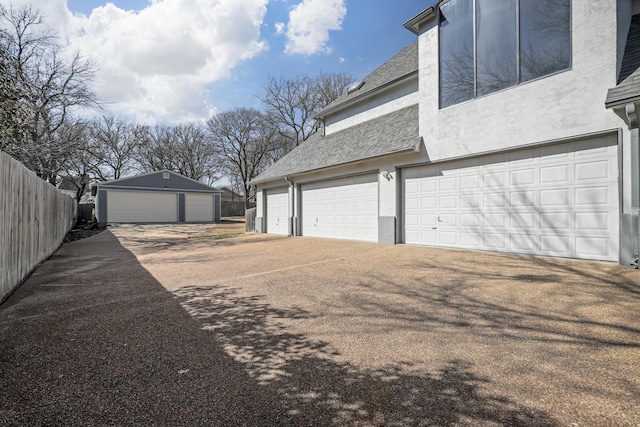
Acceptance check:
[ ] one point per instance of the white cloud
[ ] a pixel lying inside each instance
(156, 63)
(341, 60)
(309, 24)
(279, 27)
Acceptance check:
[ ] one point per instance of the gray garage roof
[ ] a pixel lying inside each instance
(400, 66)
(157, 180)
(628, 88)
(393, 133)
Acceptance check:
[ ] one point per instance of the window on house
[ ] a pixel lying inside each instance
(489, 45)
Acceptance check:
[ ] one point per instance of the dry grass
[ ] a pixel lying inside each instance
(229, 227)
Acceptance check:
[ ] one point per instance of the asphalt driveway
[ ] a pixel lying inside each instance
(267, 330)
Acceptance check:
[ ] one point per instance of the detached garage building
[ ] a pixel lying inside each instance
(433, 149)
(156, 197)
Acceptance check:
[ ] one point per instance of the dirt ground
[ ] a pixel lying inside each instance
(232, 226)
(228, 227)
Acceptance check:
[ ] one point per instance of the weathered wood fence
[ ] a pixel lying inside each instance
(250, 220)
(34, 218)
(232, 208)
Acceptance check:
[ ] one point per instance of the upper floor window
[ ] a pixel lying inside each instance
(488, 45)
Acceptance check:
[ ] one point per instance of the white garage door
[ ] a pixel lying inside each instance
(278, 211)
(198, 207)
(344, 208)
(141, 206)
(559, 200)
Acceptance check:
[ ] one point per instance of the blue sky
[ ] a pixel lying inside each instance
(175, 60)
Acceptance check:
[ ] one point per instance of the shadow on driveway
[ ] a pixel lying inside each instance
(92, 338)
(320, 391)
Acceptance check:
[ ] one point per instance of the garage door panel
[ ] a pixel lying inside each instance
(355, 217)
(554, 174)
(593, 196)
(469, 182)
(522, 177)
(199, 208)
(592, 221)
(141, 206)
(593, 246)
(589, 171)
(524, 243)
(278, 211)
(558, 200)
(494, 220)
(467, 239)
(555, 245)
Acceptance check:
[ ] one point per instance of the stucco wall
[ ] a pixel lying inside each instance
(569, 103)
(393, 99)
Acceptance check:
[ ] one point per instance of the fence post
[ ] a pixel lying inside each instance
(250, 220)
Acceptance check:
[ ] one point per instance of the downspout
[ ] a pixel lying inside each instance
(634, 125)
(291, 205)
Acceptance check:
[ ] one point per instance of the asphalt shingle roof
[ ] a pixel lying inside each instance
(392, 133)
(402, 64)
(628, 88)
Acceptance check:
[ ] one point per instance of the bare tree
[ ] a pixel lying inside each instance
(50, 88)
(154, 151)
(244, 137)
(330, 86)
(195, 156)
(13, 115)
(84, 165)
(292, 103)
(184, 149)
(114, 142)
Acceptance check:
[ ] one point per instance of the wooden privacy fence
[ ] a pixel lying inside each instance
(250, 220)
(232, 208)
(34, 218)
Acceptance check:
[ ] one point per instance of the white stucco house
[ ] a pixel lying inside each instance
(509, 125)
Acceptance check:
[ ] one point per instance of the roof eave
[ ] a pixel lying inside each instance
(622, 103)
(114, 181)
(135, 176)
(363, 96)
(412, 149)
(414, 24)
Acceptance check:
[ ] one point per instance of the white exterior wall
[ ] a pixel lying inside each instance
(567, 104)
(388, 195)
(394, 99)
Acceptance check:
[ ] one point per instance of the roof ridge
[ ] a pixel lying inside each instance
(400, 65)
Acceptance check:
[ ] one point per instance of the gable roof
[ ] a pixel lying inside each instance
(392, 133)
(400, 66)
(628, 88)
(156, 180)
